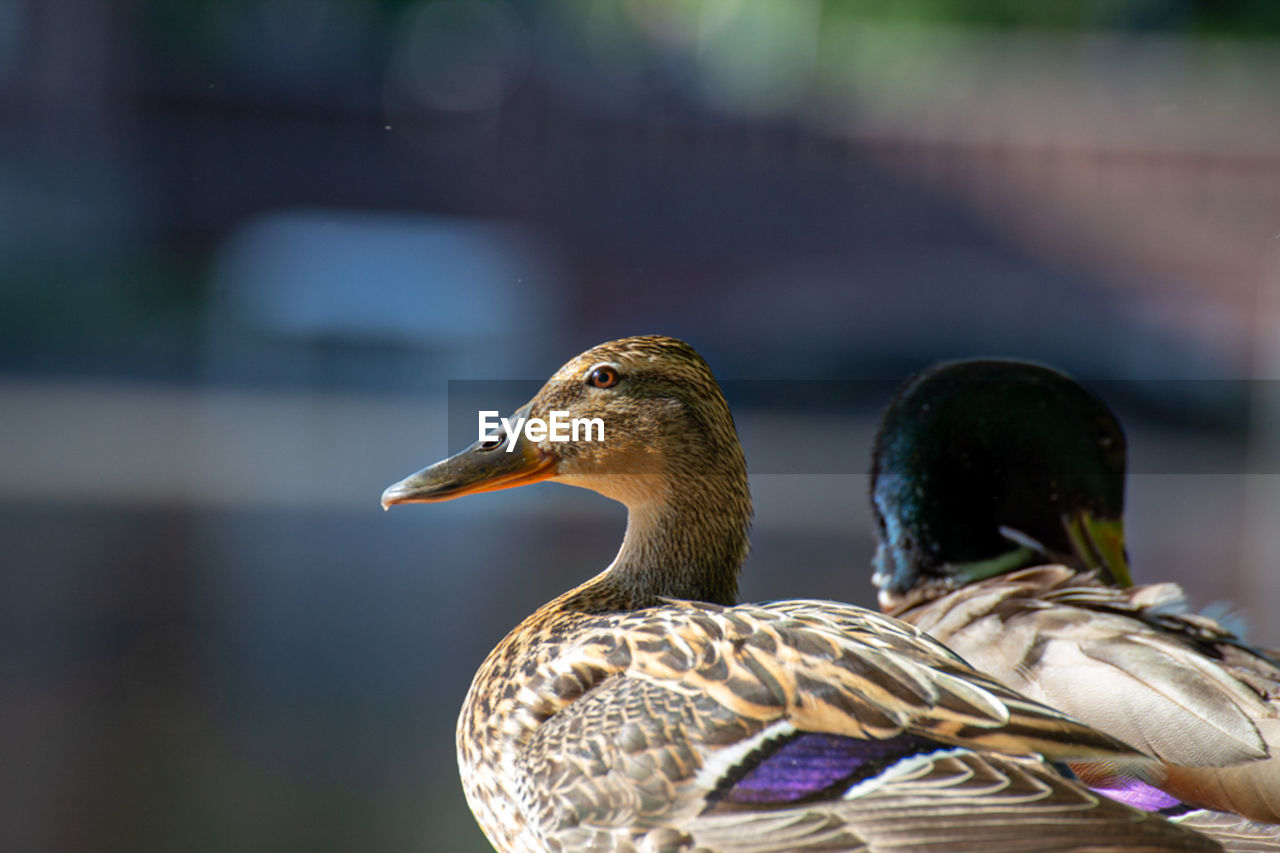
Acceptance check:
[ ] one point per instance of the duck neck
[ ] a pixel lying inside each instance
(686, 541)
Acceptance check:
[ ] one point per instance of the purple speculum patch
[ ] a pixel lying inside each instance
(1140, 795)
(812, 764)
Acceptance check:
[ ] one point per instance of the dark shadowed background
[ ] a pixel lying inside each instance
(246, 247)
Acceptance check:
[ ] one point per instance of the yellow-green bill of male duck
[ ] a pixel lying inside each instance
(998, 493)
(644, 711)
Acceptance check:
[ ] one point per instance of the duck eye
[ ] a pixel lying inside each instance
(603, 376)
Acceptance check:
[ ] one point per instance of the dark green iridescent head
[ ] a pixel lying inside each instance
(984, 467)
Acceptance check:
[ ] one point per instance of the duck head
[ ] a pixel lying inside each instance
(983, 467)
(657, 435)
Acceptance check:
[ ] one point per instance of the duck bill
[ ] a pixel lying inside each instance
(472, 471)
(1099, 543)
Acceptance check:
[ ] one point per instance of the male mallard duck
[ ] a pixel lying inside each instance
(644, 711)
(983, 472)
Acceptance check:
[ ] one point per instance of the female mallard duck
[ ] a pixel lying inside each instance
(643, 711)
(984, 471)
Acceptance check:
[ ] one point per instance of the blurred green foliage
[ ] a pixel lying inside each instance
(190, 20)
(1238, 18)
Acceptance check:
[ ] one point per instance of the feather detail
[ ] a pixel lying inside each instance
(1236, 834)
(1135, 664)
(1140, 795)
(849, 722)
(997, 488)
(812, 766)
(643, 713)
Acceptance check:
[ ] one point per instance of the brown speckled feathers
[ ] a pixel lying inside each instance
(627, 724)
(642, 711)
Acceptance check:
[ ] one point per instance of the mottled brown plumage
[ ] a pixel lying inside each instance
(643, 711)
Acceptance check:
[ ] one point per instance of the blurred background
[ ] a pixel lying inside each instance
(246, 246)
